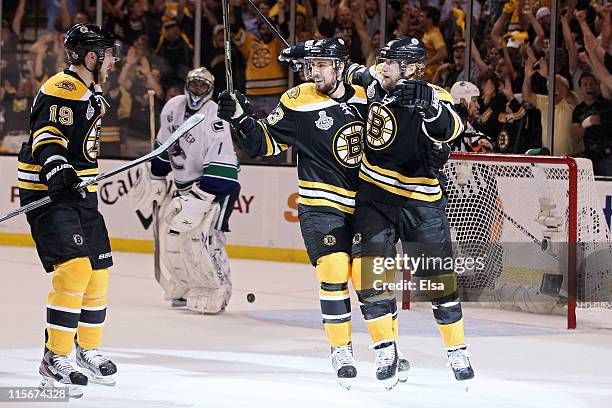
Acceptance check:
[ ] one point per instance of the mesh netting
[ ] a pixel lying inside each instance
(516, 216)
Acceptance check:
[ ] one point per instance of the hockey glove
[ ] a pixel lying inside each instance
(234, 108)
(438, 155)
(294, 56)
(186, 212)
(418, 95)
(62, 180)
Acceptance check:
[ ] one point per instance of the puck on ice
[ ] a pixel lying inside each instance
(250, 298)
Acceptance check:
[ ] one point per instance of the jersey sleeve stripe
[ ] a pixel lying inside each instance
(59, 141)
(328, 187)
(49, 129)
(398, 176)
(398, 191)
(320, 202)
(28, 167)
(221, 171)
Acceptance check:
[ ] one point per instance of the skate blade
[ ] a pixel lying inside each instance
(403, 376)
(346, 382)
(466, 385)
(108, 381)
(390, 383)
(74, 391)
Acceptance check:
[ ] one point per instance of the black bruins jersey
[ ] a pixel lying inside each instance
(327, 134)
(65, 113)
(394, 167)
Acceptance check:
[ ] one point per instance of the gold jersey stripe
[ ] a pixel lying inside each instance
(398, 176)
(50, 129)
(62, 85)
(321, 202)
(41, 187)
(328, 187)
(403, 193)
(88, 172)
(29, 167)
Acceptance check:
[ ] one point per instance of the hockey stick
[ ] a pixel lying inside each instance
(155, 209)
(184, 128)
(227, 42)
(269, 24)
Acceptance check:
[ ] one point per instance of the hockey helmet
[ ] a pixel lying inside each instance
(407, 49)
(199, 88)
(332, 49)
(464, 90)
(85, 37)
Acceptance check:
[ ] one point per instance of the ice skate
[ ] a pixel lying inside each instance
(58, 371)
(178, 303)
(344, 365)
(98, 368)
(386, 364)
(459, 362)
(402, 367)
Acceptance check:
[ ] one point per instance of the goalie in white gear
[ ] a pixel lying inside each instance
(193, 263)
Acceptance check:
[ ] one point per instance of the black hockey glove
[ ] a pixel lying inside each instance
(438, 155)
(62, 180)
(294, 55)
(234, 108)
(419, 95)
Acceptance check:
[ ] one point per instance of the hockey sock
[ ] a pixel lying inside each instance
(377, 305)
(69, 282)
(447, 310)
(333, 272)
(93, 311)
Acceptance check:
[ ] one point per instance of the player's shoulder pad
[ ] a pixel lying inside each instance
(442, 93)
(64, 86)
(360, 95)
(305, 98)
(175, 101)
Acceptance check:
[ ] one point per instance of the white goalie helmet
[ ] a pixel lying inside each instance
(199, 87)
(464, 90)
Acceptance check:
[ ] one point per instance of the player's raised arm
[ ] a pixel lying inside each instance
(265, 137)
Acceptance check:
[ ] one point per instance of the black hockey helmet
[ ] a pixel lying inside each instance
(328, 48)
(85, 37)
(408, 49)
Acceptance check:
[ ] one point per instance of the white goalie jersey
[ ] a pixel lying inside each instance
(206, 151)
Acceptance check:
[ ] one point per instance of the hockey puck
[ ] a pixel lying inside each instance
(250, 298)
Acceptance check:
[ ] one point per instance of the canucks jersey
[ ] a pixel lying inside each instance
(327, 134)
(65, 115)
(394, 168)
(205, 151)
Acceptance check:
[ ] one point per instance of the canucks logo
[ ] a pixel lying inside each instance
(381, 127)
(91, 144)
(347, 144)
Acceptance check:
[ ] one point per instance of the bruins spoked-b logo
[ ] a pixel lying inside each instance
(91, 144)
(382, 127)
(347, 144)
(329, 240)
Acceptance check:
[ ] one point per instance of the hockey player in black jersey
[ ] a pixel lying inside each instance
(324, 120)
(70, 234)
(399, 197)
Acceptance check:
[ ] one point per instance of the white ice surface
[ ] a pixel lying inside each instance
(272, 353)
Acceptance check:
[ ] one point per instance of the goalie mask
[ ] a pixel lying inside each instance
(463, 94)
(406, 52)
(84, 38)
(322, 53)
(199, 88)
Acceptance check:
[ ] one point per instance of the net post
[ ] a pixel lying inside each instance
(572, 238)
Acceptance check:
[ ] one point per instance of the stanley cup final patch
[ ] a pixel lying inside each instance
(324, 122)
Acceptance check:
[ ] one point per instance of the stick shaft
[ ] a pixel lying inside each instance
(269, 24)
(227, 39)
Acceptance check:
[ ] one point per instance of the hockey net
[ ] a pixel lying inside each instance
(535, 222)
